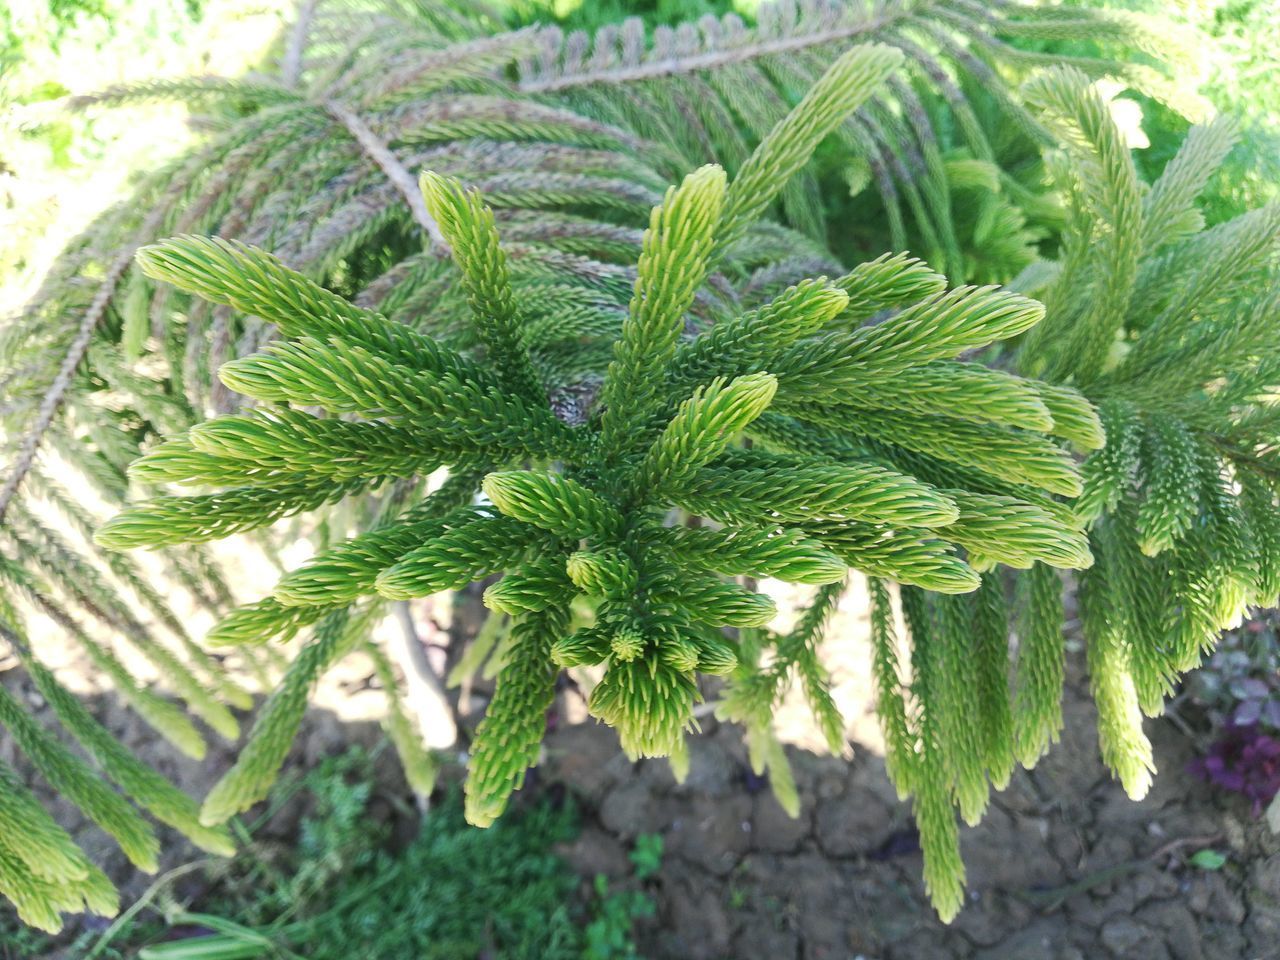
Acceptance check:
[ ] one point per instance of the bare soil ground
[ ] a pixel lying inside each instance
(1063, 867)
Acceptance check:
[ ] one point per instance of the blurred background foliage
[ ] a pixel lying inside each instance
(1240, 39)
(60, 168)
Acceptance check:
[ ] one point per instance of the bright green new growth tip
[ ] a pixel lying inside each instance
(582, 510)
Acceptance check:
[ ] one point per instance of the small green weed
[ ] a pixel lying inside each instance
(454, 893)
(646, 856)
(610, 934)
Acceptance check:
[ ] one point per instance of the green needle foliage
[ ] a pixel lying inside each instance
(420, 243)
(579, 512)
(1181, 364)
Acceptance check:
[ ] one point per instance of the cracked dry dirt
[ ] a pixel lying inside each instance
(1063, 867)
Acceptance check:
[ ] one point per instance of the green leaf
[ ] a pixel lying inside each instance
(1207, 859)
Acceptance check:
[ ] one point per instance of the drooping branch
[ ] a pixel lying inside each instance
(395, 171)
(291, 66)
(426, 693)
(707, 59)
(51, 403)
(52, 400)
(15, 641)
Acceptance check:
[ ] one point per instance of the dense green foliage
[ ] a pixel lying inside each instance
(451, 893)
(425, 248)
(448, 893)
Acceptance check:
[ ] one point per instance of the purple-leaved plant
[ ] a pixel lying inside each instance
(1239, 690)
(1245, 760)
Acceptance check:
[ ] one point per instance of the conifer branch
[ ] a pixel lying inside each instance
(395, 171)
(28, 448)
(291, 65)
(703, 60)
